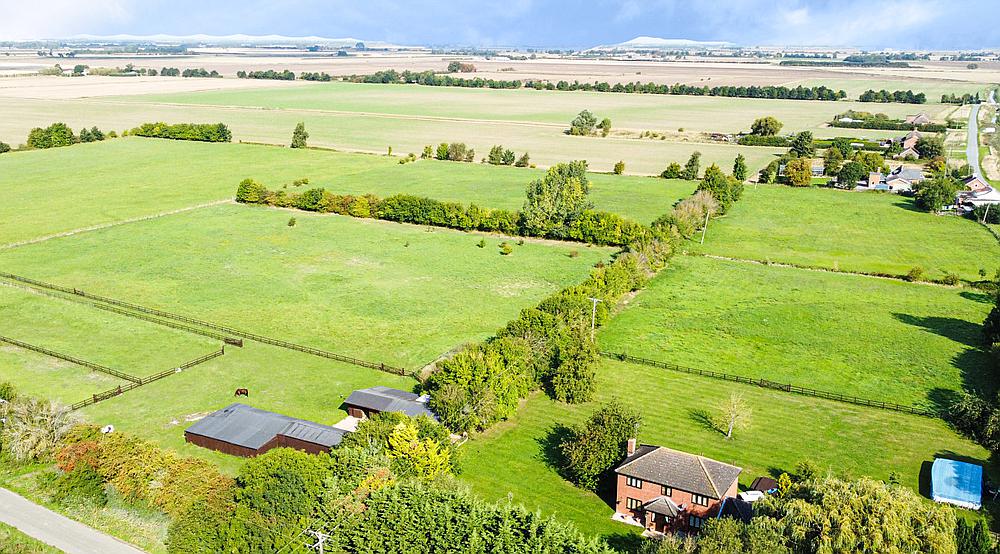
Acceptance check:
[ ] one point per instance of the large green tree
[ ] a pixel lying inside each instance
(934, 194)
(592, 449)
(802, 145)
(765, 126)
(299, 136)
(584, 123)
(692, 166)
(557, 200)
(849, 175)
(740, 168)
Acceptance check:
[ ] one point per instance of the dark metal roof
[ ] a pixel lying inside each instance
(662, 505)
(763, 484)
(680, 470)
(736, 509)
(251, 427)
(385, 399)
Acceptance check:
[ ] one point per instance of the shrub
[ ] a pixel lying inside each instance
(4, 148)
(34, 428)
(756, 140)
(481, 243)
(81, 484)
(619, 168)
(53, 136)
(291, 222)
(506, 249)
(950, 279)
(691, 167)
(798, 172)
(299, 136)
(523, 161)
(673, 171)
(765, 127)
(915, 274)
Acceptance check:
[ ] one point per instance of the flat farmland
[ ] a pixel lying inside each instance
(880, 339)
(636, 112)
(784, 430)
(375, 290)
(126, 178)
(374, 133)
(850, 231)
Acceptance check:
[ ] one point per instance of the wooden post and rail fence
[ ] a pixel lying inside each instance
(231, 335)
(773, 385)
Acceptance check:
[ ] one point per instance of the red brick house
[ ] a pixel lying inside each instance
(662, 489)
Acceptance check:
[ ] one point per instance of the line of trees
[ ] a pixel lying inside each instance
(285, 75)
(429, 78)
(961, 98)
(902, 96)
(504, 156)
(59, 134)
(204, 132)
(323, 76)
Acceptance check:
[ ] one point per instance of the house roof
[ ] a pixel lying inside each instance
(908, 173)
(662, 505)
(736, 508)
(680, 470)
(252, 428)
(385, 399)
(975, 183)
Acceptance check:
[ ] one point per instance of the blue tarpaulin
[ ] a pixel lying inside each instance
(957, 483)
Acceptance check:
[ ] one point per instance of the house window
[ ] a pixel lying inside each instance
(633, 503)
(695, 522)
(666, 491)
(699, 499)
(633, 482)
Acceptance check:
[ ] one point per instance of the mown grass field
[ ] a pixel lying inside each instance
(847, 231)
(398, 294)
(784, 430)
(61, 189)
(882, 339)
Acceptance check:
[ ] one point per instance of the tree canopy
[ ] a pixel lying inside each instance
(765, 127)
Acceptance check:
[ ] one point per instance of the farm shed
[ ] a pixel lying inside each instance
(242, 430)
(375, 400)
(958, 483)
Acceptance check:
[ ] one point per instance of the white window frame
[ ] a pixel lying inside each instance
(699, 500)
(633, 482)
(666, 491)
(633, 503)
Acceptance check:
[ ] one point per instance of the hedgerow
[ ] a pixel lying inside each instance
(602, 228)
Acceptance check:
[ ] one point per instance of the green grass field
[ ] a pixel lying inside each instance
(400, 294)
(627, 111)
(864, 232)
(784, 430)
(13, 541)
(875, 338)
(126, 178)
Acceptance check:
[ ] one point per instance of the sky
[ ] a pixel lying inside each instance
(897, 24)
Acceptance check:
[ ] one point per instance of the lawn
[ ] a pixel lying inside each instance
(850, 231)
(876, 338)
(784, 430)
(132, 177)
(398, 294)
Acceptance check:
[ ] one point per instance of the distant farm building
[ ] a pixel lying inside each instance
(919, 119)
(375, 400)
(245, 431)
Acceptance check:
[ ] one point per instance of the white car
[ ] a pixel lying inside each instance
(751, 496)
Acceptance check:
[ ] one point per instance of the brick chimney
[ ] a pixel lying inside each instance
(630, 447)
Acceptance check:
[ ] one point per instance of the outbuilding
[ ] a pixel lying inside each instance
(368, 402)
(242, 430)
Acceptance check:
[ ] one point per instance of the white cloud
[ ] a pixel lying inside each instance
(56, 18)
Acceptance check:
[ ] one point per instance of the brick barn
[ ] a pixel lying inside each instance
(664, 490)
(242, 430)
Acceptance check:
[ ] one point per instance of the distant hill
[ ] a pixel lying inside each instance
(238, 39)
(657, 43)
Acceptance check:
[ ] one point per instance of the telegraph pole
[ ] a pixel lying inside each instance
(321, 539)
(593, 316)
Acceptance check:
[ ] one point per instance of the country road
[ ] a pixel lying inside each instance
(59, 531)
(972, 146)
